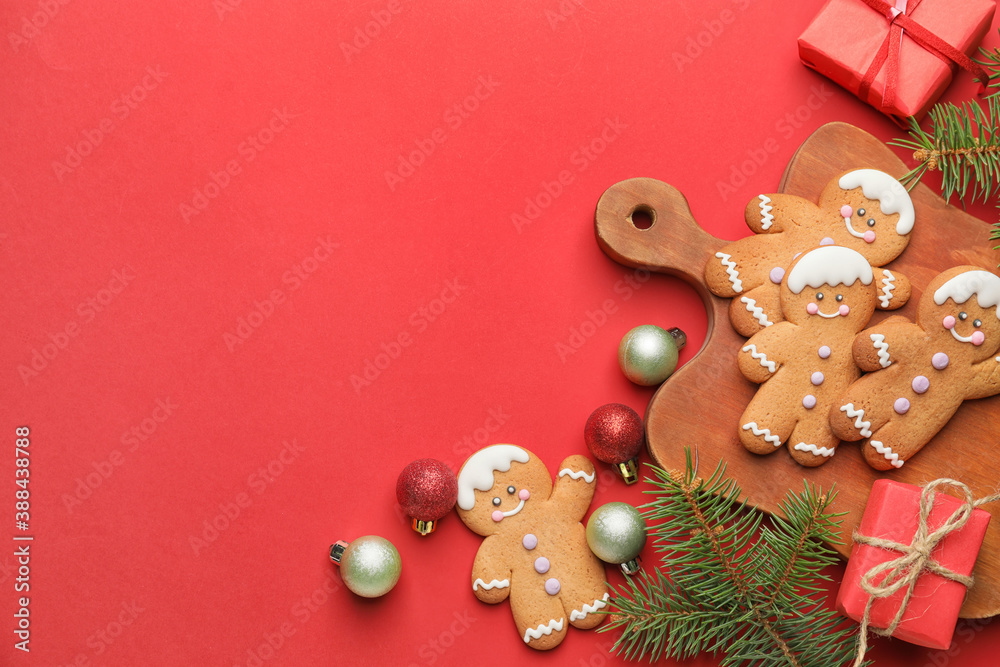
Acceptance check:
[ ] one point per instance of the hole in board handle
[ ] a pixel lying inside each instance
(642, 217)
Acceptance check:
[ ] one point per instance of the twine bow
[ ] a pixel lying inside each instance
(915, 558)
(888, 53)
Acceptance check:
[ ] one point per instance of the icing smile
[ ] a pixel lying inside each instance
(846, 211)
(499, 516)
(977, 338)
(813, 309)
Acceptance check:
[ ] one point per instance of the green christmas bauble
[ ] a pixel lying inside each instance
(370, 566)
(616, 533)
(647, 354)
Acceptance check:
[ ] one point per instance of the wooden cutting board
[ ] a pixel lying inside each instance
(700, 405)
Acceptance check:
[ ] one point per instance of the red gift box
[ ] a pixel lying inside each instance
(848, 35)
(892, 513)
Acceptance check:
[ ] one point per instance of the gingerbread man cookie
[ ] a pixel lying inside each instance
(866, 210)
(922, 372)
(535, 551)
(804, 363)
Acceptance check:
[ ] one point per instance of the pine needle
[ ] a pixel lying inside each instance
(963, 143)
(729, 585)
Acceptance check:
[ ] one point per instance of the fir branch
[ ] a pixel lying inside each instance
(963, 143)
(755, 601)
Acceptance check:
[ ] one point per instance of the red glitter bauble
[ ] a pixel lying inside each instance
(614, 433)
(427, 489)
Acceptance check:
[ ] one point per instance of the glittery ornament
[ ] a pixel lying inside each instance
(426, 490)
(614, 434)
(370, 566)
(616, 533)
(647, 354)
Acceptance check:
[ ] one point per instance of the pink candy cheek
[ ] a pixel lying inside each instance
(812, 308)
(497, 516)
(978, 338)
(844, 310)
(524, 494)
(869, 237)
(948, 322)
(846, 211)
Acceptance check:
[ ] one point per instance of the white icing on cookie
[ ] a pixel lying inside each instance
(764, 361)
(859, 422)
(734, 275)
(477, 473)
(543, 629)
(878, 340)
(830, 265)
(757, 311)
(765, 212)
(851, 230)
(496, 583)
(579, 615)
(891, 456)
(773, 439)
(814, 450)
(888, 284)
(891, 195)
(577, 474)
(985, 285)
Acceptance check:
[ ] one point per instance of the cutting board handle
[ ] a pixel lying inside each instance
(673, 244)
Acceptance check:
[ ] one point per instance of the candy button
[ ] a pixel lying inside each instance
(552, 586)
(529, 541)
(920, 384)
(826, 240)
(497, 516)
(541, 565)
(777, 273)
(817, 378)
(846, 211)
(940, 361)
(809, 402)
(901, 406)
(824, 352)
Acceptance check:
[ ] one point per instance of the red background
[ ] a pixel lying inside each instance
(123, 540)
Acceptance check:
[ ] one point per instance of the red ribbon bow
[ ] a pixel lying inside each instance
(889, 51)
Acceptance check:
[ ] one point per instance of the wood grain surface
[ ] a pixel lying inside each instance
(700, 405)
